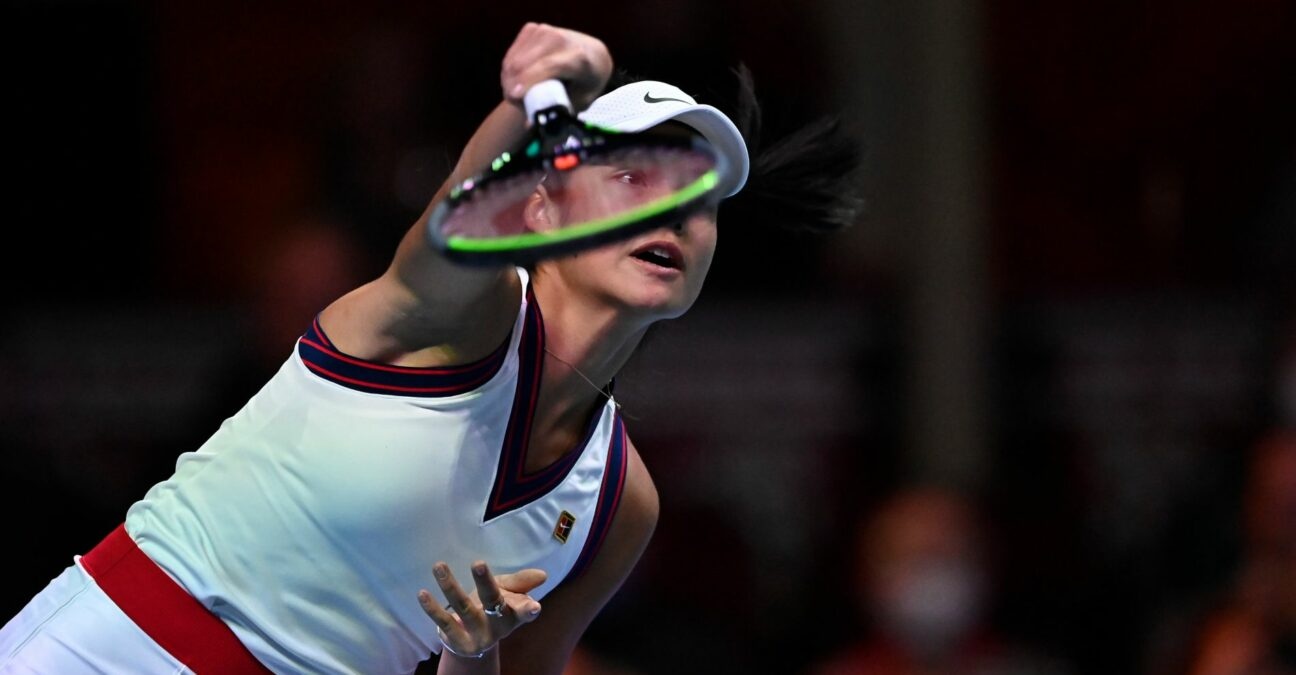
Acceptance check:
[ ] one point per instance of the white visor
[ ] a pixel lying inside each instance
(641, 105)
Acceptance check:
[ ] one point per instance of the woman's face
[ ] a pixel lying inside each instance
(659, 273)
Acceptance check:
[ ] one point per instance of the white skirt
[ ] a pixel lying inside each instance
(73, 627)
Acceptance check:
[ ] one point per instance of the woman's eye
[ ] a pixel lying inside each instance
(629, 177)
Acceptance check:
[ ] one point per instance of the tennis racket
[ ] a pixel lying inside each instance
(571, 186)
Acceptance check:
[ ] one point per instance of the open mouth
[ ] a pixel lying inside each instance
(660, 254)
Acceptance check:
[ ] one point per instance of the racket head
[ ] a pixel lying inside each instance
(574, 186)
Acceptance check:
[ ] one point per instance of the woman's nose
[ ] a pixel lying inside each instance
(693, 221)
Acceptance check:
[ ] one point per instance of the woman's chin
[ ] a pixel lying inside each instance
(656, 306)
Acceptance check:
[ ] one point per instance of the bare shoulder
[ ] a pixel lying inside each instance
(390, 321)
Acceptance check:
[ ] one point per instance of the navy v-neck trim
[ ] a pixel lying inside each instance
(613, 487)
(514, 487)
(324, 359)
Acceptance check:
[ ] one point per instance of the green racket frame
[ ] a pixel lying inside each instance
(560, 136)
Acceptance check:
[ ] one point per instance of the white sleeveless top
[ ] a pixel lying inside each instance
(313, 516)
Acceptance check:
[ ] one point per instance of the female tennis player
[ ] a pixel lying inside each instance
(442, 427)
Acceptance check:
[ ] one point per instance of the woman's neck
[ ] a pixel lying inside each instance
(587, 342)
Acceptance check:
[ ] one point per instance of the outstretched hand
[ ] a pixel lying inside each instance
(470, 625)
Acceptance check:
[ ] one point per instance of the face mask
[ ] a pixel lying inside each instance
(933, 605)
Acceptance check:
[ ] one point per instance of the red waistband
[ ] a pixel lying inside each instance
(161, 608)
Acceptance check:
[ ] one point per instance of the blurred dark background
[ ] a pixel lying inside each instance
(1042, 365)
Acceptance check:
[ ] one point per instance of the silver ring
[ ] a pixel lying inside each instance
(496, 610)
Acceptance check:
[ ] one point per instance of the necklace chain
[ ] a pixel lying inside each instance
(601, 391)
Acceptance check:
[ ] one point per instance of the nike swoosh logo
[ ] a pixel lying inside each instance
(649, 98)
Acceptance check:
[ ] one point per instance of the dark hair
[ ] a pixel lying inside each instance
(805, 180)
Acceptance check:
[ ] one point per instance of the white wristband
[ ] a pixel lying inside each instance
(546, 94)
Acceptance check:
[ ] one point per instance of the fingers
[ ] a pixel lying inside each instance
(522, 608)
(445, 621)
(443, 618)
(487, 589)
(542, 52)
(469, 627)
(459, 601)
(522, 581)
(465, 632)
(513, 604)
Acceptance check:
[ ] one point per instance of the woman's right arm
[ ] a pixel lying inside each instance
(426, 310)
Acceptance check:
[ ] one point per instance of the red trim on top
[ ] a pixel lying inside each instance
(164, 610)
(395, 387)
(320, 329)
(408, 370)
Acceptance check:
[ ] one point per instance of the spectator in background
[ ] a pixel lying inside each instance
(1252, 631)
(922, 584)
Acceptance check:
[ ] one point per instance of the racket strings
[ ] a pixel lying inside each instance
(605, 187)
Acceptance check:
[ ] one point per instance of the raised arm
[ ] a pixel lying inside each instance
(425, 310)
